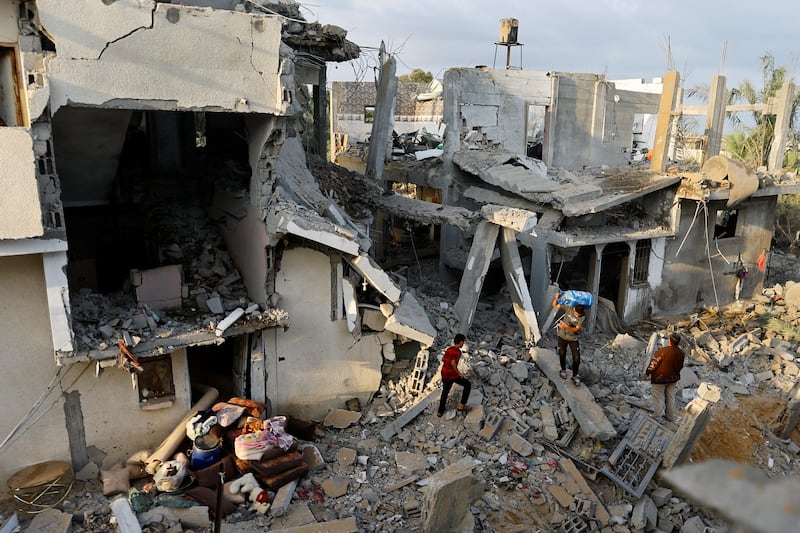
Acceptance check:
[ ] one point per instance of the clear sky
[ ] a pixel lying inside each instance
(621, 38)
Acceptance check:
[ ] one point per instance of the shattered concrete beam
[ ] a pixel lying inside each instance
(742, 494)
(516, 219)
(587, 412)
(518, 286)
(694, 420)
(424, 212)
(283, 220)
(480, 255)
(274, 319)
(376, 277)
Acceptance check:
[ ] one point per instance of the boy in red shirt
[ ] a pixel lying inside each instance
(450, 375)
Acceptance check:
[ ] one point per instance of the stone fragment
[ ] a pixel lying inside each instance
(409, 462)
(520, 371)
(520, 445)
(561, 495)
(491, 426)
(282, 499)
(55, 521)
(346, 457)
(661, 496)
(341, 418)
(335, 487)
(645, 514)
(448, 496)
(313, 458)
(474, 418)
(709, 392)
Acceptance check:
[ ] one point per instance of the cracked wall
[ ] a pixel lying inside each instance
(135, 54)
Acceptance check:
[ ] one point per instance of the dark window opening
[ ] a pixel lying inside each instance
(534, 131)
(222, 366)
(155, 382)
(726, 224)
(641, 264)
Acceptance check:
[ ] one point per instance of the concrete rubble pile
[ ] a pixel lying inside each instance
(517, 461)
(196, 288)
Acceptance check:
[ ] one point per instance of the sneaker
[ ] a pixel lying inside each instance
(576, 380)
(563, 374)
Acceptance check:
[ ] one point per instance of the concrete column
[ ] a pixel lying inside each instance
(320, 112)
(672, 81)
(594, 285)
(783, 115)
(334, 124)
(540, 279)
(382, 127)
(715, 117)
(480, 255)
(517, 286)
(598, 119)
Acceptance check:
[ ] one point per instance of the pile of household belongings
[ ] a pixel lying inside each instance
(256, 455)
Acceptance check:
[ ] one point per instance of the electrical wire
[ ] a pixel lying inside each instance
(708, 254)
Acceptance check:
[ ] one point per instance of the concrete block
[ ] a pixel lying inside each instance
(474, 419)
(364, 265)
(335, 487)
(520, 445)
(341, 418)
(661, 496)
(561, 495)
(645, 514)
(448, 496)
(709, 392)
(411, 321)
(373, 319)
(694, 524)
(408, 462)
(55, 521)
(491, 426)
(159, 288)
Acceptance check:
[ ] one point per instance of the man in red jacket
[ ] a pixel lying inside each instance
(451, 374)
(664, 372)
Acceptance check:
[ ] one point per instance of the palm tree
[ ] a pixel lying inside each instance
(751, 144)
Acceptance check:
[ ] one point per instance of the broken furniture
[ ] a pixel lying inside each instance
(41, 486)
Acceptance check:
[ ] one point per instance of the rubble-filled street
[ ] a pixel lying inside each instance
(535, 468)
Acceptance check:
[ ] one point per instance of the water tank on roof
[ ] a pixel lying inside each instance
(508, 31)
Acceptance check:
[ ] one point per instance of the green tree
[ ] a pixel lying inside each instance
(417, 75)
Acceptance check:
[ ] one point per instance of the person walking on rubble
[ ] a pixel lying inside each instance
(568, 328)
(664, 371)
(451, 374)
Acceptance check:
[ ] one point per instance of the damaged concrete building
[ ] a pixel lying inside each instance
(641, 239)
(161, 232)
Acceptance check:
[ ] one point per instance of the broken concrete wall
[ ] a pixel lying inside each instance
(584, 110)
(639, 298)
(136, 55)
(316, 364)
(26, 350)
(20, 211)
(352, 98)
(104, 411)
(687, 279)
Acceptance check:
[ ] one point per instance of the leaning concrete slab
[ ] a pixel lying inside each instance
(521, 220)
(741, 494)
(569, 468)
(693, 423)
(480, 255)
(411, 321)
(448, 496)
(517, 286)
(587, 412)
(389, 431)
(376, 277)
(743, 179)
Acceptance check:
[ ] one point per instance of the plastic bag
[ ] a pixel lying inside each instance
(573, 298)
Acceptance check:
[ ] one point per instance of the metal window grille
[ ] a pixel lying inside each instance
(641, 265)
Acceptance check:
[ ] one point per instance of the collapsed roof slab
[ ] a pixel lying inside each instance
(587, 411)
(506, 170)
(575, 237)
(285, 219)
(352, 188)
(615, 190)
(741, 494)
(376, 277)
(410, 320)
(198, 336)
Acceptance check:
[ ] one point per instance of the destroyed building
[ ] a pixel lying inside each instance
(161, 232)
(556, 147)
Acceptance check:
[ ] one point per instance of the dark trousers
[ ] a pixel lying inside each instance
(447, 385)
(575, 349)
